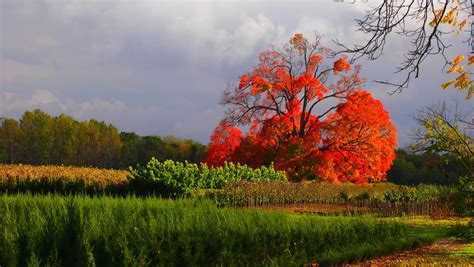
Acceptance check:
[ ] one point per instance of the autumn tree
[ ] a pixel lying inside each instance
(224, 140)
(425, 24)
(308, 114)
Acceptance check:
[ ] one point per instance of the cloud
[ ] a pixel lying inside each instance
(47, 100)
(159, 67)
(9, 101)
(43, 97)
(98, 105)
(15, 72)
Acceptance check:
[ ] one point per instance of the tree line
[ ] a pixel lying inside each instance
(38, 138)
(411, 168)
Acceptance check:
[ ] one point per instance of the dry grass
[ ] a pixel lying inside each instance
(12, 176)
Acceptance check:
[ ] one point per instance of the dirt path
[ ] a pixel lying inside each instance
(444, 252)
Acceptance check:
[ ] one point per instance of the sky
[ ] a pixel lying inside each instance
(160, 67)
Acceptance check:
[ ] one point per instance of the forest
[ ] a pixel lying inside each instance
(40, 139)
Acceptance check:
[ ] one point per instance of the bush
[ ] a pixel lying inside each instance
(420, 194)
(464, 203)
(174, 179)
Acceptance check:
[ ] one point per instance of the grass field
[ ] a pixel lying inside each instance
(82, 231)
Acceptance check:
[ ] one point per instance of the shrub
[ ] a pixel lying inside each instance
(464, 202)
(174, 179)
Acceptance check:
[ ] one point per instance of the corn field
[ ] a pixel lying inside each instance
(60, 179)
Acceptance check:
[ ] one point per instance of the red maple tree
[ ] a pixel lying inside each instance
(312, 120)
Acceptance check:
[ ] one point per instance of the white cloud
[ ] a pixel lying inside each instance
(98, 105)
(17, 72)
(43, 97)
(11, 102)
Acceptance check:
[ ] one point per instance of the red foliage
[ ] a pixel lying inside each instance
(359, 141)
(341, 65)
(296, 125)
(224, 140)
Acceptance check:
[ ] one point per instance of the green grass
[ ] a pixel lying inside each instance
(426, 221)
(464, 252)
(427, 230)
(103, 231)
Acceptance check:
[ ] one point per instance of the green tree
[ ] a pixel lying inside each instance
(66, 140)
(37, 127)
(100, 144)
(111, 146)
(151, 146)
(129, 153)
(446, 130)
(10, 139)
(41, 139)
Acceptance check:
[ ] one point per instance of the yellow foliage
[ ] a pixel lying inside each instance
(462, 24)
(447, 84)
(462, 81)
(457, 60)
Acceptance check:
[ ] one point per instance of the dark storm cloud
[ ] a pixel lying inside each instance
(159, 67)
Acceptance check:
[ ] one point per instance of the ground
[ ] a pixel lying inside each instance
(445, 251)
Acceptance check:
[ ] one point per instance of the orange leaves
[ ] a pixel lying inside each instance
(360, 140)
(462, 81)
(314, 60)
(298, 42)
(259, 84)
(341, 65)
(470, 61)
(455, 64)
(451, 16)
(224, 140)
(297, 39)
(313, 86)
(286, 103)
(244, 81)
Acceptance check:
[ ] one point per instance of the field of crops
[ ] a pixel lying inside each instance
(168, 178)
(382, 199)
(231, 185)
(232, 215)
(60, 179)
(77, 231)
